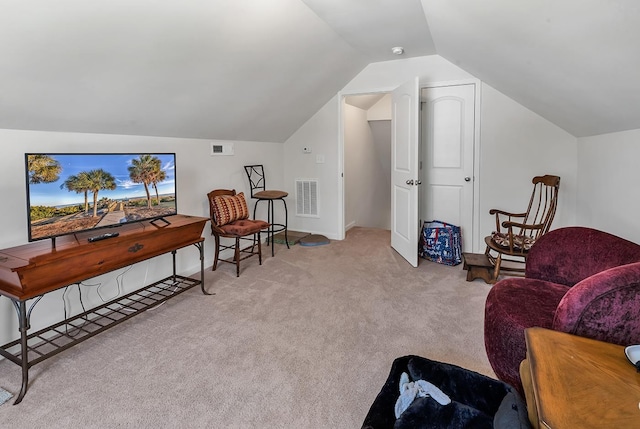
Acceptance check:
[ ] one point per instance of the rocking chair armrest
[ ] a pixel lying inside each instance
(502, 212)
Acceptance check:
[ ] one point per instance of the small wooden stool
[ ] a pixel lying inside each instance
(478, 266)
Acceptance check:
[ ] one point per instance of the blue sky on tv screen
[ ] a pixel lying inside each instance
(50, 194)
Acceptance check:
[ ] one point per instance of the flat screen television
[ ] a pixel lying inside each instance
(68, 193)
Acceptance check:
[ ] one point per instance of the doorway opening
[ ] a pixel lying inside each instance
(367, 160)
(448, 133)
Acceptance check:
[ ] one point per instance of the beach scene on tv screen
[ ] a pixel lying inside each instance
(69, 193)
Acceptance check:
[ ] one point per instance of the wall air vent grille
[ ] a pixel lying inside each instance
(307, 197)
(222, 149)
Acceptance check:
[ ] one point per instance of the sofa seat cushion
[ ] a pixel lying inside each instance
(513, 305)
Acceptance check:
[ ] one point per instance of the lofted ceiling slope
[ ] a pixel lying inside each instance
(257, 70)
(574, 62)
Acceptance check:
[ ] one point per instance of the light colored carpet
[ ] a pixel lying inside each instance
(304, 341)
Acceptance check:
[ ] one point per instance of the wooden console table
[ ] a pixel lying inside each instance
(577, 382)
(32, 270)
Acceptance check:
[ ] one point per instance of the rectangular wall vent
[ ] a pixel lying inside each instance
(307, 197)
(218, 149)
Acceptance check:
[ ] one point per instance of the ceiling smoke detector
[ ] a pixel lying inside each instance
(398, 50)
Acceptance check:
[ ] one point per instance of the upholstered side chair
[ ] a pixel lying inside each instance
(230, 220)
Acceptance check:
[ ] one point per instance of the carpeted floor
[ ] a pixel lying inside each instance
(304, 341)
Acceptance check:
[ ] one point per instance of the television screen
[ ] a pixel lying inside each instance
(69, 193)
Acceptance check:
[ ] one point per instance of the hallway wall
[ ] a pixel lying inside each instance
(367, 170)
(367, 160)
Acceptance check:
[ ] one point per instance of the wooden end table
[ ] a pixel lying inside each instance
(576, 382)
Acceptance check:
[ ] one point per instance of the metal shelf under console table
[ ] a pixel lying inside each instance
(30, 271)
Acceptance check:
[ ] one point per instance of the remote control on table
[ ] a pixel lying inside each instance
(103, 236)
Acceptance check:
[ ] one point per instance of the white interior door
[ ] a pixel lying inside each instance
(404, 171)
(449, 130)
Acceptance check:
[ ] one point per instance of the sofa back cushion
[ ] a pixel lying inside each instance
(572, 254)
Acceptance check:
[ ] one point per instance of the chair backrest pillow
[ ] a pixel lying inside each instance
(229, 208)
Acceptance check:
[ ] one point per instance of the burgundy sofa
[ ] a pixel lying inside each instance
(577, 280)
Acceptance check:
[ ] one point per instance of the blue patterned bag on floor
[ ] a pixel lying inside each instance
(441, 242)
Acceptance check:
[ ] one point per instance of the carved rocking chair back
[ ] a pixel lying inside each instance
(516, 232)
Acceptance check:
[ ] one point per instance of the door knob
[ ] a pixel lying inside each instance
(418, 182)
(467, 179)
(409, 182)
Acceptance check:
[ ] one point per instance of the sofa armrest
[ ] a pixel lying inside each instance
(604, 306)
(572, 254)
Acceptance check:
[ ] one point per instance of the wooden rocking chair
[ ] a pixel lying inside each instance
(516, 232)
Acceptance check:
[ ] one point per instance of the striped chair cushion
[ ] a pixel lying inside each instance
(229, 208)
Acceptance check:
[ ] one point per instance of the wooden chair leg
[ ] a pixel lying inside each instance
(259, 249)
(496, 262)
(496, 268)
(216, 254)
(237, 256)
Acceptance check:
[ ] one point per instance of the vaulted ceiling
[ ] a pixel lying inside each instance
(258, 69)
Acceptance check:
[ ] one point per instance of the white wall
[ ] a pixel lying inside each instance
(608, 183)
(197, 174)
(357, 137)
(388, 75)
(323, 133)
(379, 183)
(320, 133)
(515, 145)
(381, 111)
